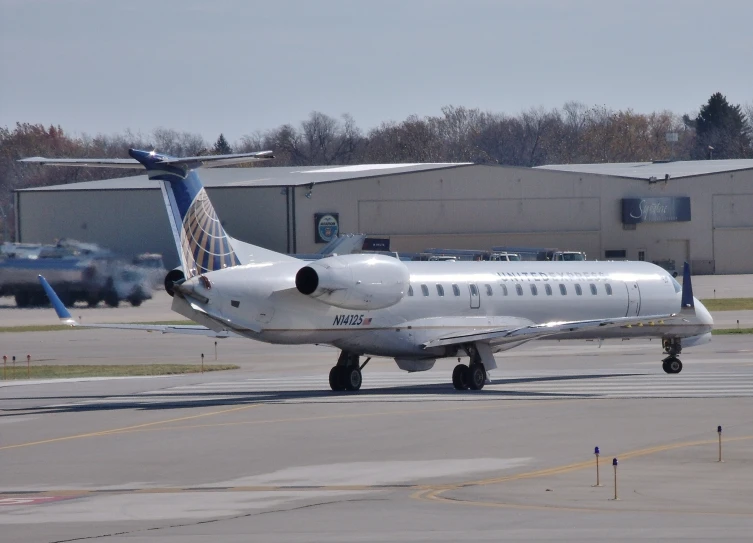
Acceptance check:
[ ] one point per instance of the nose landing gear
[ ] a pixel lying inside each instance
(672, 347)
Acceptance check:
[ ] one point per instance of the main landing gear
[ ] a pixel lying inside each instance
(672, 347)
(472, 376)
(346, 375)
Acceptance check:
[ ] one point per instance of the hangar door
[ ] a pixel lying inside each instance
(733, 233)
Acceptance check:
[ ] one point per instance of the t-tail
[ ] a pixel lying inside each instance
(201, 241)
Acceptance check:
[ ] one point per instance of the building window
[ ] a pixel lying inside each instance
(534, 290)
(642, 256)
(563, 289)
(456, 290)
(519, 290)
(615, 253)
(548, 290)
(593, 289)
(608, 287)
(578, 290)
(425, 290)
(410, 290)
(440, 290)
(489, 290)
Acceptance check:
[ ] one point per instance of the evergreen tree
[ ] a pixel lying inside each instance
(221, 146)
(721, 130)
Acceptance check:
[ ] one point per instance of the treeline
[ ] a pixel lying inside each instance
(571, 134)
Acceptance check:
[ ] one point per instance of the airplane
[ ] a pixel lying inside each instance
(370, 305)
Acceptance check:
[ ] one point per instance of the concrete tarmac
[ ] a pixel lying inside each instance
(268, 453)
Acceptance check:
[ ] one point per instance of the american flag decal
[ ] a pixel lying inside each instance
(366, 322)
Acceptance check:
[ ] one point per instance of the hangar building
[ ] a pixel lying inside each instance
(700, 211)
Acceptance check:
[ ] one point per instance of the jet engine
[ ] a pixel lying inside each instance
(173, 277)
(359, 281)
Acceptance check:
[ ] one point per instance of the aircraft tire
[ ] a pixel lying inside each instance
(477, 377)
(352, 378)
(672, 365)
(336, 382)
(461, 377)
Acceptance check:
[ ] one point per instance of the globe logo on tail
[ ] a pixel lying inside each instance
(204, 243)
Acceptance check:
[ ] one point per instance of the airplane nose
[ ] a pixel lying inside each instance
(703, 315)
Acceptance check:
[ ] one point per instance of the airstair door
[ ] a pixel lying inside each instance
(634, 299)
(475, 298)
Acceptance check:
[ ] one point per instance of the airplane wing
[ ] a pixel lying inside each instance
(66, 318)
(499, 336)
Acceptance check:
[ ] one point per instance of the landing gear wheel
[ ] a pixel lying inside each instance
(477, 374)
(352, 378)
(336, 382)
(461, 377)
(672, 365)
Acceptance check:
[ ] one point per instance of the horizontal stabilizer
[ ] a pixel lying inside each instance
(85, 162)
(154, 159)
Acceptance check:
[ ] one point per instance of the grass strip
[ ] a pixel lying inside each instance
(728, 304)
(730, 331)
(105, 370)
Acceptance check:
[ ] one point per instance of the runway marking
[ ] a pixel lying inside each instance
(126, 428)
(396, 387)
(436, 494)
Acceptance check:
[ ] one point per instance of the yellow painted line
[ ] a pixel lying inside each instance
(127, 428)
(485, 405)
(436, 493)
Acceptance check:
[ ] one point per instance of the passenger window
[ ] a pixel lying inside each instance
(489, 290)
(504, 290)
(474, 290)
(608, 287)
(548, 290)
(563, 289)
(593, 289)
(455, 290)
(519, 290)
(578, 290)
(534, 290)
(410, 290)
(425, 290)
(440, 290)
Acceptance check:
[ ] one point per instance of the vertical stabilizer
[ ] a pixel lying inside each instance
(202, 243)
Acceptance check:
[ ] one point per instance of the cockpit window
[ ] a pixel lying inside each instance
(678, 286)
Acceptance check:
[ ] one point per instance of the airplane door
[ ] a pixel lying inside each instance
(634, 299)
(475, 298)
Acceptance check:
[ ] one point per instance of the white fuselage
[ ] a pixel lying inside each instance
(262, 302)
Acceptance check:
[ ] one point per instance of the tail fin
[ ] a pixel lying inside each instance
(202, 243)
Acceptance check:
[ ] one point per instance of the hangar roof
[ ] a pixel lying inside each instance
(645, 170)
(260, 177)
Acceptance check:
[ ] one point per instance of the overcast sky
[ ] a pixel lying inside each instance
(234, 66)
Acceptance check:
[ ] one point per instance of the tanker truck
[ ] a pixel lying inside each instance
(78, 272)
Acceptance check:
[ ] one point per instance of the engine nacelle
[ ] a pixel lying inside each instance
(359, 281)
(172, 277)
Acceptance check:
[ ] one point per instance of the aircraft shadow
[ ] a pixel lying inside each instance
(158, 400)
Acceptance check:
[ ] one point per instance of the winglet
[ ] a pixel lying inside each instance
(687, 288)
(63, 314)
